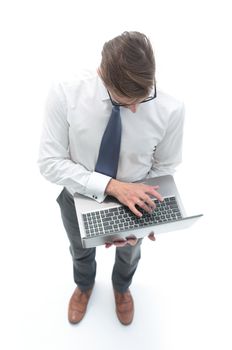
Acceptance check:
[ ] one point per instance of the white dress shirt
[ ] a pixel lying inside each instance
(77, 112)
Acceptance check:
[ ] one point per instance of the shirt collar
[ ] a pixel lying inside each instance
(103, 91)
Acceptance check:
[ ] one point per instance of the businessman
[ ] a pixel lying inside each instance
(103, 131)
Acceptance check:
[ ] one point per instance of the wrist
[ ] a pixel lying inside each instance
(111, 187)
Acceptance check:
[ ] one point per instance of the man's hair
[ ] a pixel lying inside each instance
(128, 65)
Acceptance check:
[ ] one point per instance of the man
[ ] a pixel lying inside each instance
(73, 153)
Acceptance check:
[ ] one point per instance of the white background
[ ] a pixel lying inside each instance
(182, 288)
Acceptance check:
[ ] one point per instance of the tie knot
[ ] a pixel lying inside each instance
(116, 108)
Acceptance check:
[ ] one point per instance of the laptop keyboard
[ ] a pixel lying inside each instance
(118, 219)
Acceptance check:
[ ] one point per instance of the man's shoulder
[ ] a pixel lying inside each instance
(69, 86)
(74, 80)
(168, 102)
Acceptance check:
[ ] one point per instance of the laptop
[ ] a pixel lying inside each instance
(111, 221)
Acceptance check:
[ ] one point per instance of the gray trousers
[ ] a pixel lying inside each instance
(84, 263)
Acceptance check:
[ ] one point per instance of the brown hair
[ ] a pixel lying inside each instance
(128, 65)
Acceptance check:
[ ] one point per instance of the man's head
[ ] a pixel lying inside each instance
(128, 67)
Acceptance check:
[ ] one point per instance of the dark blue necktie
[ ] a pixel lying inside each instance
(107, 162)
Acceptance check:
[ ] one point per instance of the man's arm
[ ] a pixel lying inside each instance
(168, 153)
(54, 158)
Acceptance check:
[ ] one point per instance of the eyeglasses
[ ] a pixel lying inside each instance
(114, 103)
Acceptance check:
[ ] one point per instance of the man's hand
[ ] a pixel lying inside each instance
(132, 241)
(132, 194)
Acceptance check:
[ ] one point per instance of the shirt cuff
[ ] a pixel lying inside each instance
(96, 186)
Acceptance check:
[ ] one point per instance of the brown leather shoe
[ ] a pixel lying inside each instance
(78, 305)
(124, 306)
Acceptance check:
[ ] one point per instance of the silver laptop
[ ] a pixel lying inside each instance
(111, 221)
